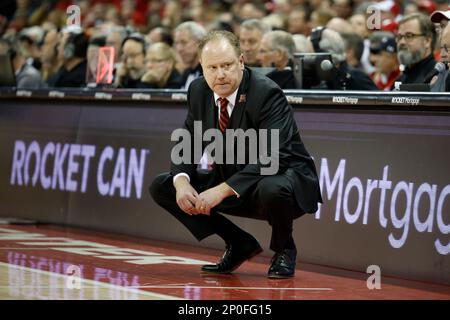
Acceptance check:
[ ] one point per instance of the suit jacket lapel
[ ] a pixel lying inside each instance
(241, 100)
(209, 118)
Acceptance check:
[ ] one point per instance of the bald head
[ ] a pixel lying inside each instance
(220, 38)
(221, 62)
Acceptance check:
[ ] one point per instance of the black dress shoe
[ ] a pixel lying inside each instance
(283, 264)
(234, 256)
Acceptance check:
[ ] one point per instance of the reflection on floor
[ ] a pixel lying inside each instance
(17, 282)
(50, 262)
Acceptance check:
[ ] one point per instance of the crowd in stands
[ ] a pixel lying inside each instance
(374, 45)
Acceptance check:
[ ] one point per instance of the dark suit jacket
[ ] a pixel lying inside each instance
(260, 104)
(284, 78)
(173, 82)
(355, 79)
(197, 71)
(417, 72)
(73, 78)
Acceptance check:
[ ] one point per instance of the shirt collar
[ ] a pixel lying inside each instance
(231, 98)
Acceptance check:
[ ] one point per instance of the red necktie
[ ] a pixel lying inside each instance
(224, 116)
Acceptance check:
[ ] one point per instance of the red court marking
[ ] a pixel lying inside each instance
(186, 281)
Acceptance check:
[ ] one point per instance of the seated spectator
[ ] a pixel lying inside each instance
(92, 59)
(250, 36)
(440, 18)
(298, 21)
(386, 63)
(72, 73)
(426, 7)
(343, 8)
(275, 21)
(30, 39)
(277, 50)
(441, 83)
(442, 5)
(354, 48)
(359, 26)
(115, 39)
(416, 39)
(161, 72)
(160, 34)
(252, 10)
(49, 53)
(410, 8)
(340, 25)
(27, 76)
(344, 77)
(187, 36)
(220, 25)
(320, 18)
(301, 43)
(375, 41)
(132, 67)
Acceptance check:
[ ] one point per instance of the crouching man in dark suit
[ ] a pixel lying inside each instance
(230, 96)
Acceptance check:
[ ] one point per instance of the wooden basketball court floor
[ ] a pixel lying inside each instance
(46, 262)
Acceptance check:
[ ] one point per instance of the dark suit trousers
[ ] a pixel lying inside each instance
(272, 200)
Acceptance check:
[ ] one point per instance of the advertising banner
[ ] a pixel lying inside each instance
(384, 175)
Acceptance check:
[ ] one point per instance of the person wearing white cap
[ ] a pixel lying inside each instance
(440, 18)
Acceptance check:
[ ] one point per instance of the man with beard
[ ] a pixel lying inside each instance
(132, 67)
(416, 40)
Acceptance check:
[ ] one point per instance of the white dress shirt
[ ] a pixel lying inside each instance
(231, 103)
